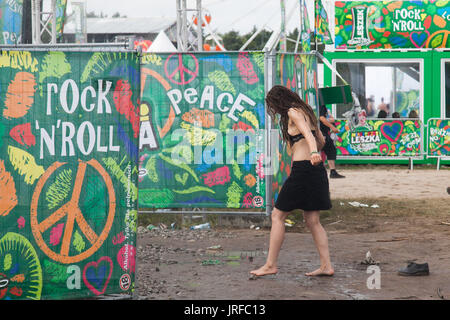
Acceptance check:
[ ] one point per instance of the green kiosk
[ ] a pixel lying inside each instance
(396, 57)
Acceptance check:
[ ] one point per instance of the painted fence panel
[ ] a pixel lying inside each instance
(391, 138)
(11, 21)
(438, 138)
(202, 130)
(297, 72)
(68, 173)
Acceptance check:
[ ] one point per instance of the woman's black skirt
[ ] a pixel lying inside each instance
(306, 188)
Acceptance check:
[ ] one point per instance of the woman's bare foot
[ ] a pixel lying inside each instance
(322, 271)
(264, 270)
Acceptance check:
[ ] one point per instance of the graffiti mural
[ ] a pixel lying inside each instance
(68, 173)
(359, 136)
(202, 130)
(439, 137)
(392, 24)
(297, 72)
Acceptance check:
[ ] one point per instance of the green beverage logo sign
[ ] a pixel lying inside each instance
(360, 34)
(69, 127)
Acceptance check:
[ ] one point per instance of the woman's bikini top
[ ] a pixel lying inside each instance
(298, 137)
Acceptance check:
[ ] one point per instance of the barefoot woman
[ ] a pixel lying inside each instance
(307, 186)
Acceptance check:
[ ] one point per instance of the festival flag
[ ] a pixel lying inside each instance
(322, 32)
(305, 28)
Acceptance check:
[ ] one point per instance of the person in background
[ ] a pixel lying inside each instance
(383, 106)
(396, 115)
(413, 114)
(370, 107)
(382, 114)
(326, 124)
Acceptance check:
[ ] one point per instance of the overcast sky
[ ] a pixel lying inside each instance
(238, 15)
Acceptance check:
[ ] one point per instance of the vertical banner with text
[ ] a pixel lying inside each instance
(202, 130)
(439, 137)
(69, 127)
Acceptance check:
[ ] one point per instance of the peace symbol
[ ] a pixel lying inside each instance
(71, 211)
(180, 74)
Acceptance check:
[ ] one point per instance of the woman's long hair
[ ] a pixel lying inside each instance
(279, 100)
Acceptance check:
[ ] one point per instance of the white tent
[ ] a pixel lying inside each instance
(161, 44)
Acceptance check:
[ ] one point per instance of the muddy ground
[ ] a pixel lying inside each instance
(408, 225)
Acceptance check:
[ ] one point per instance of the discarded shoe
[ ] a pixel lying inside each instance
(335, 175)
(415, 269)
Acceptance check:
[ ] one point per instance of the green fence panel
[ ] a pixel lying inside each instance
(69, 132)
(438, 138)
(202, 130)
(297, 72)
(375, 138)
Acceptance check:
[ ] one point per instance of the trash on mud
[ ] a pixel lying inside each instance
(362, 205)
(369, 260)
(445, 223)
(151, 227)
(217, 247)
(440, 295)
(335, 222)
(201, 226)
(415, 269)
(358, 204)
(289, 223)
(162, 226)
(393, 239)
(211, 262)
(172, 225)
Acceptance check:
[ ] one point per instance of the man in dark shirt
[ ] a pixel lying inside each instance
(326, 124)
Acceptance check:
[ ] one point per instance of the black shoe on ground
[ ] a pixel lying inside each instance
(335, 175)
(415, 269)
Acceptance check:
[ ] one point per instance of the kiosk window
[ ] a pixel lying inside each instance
(392, 87)
(447, 90)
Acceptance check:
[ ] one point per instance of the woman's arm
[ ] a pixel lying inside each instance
(298, 117)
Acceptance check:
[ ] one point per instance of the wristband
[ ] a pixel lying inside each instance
(314, 152)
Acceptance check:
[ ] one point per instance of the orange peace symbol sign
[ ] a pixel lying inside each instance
(73, 213)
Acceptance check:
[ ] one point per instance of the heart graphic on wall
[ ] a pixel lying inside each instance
(392, 130)
(418, 38)
(96, 275)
